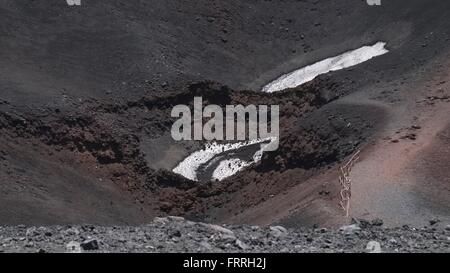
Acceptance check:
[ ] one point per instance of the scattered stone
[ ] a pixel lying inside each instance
(72, 231)
(227, 238)
(392, 241)
(160, 220)
(89, 245)
(88, 228)
(323, 230)
(31, 232)
(241, 245)
(278, 231)
(199, 237)
(175, 218)
(350, 229)
(362, 223)
(377, 222)
(434, 222)
(29, 244)
(219, 229)
(206, 245)
(122, 240)
(409, 136)
(73, 247)
(373, 247)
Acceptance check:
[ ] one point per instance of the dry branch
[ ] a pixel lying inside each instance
(346, 186)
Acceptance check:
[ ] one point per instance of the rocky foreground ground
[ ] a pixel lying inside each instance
(175, 234)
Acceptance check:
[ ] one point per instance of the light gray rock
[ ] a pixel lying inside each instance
(175, 218)
(206, 245)
(278, 231)
(31, 232)
(73, 247)
(72, 231)
(241, 245)
(350, 229)
(219, 229)
(373, 247)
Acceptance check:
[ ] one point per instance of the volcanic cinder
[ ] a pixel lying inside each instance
(86, 94)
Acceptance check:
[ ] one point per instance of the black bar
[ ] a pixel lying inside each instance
(229, 262)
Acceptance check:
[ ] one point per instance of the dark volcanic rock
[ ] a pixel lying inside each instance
(187, 236)
(89, 245)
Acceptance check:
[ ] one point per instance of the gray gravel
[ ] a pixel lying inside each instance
(175, 234)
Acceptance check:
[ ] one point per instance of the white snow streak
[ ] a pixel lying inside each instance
(306, 74)
(229, 167)
(189, 166)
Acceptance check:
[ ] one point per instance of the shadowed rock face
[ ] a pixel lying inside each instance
(86, 94)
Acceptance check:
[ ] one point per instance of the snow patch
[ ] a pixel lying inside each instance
(229, 167)
(308, 73)
(189, 166)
